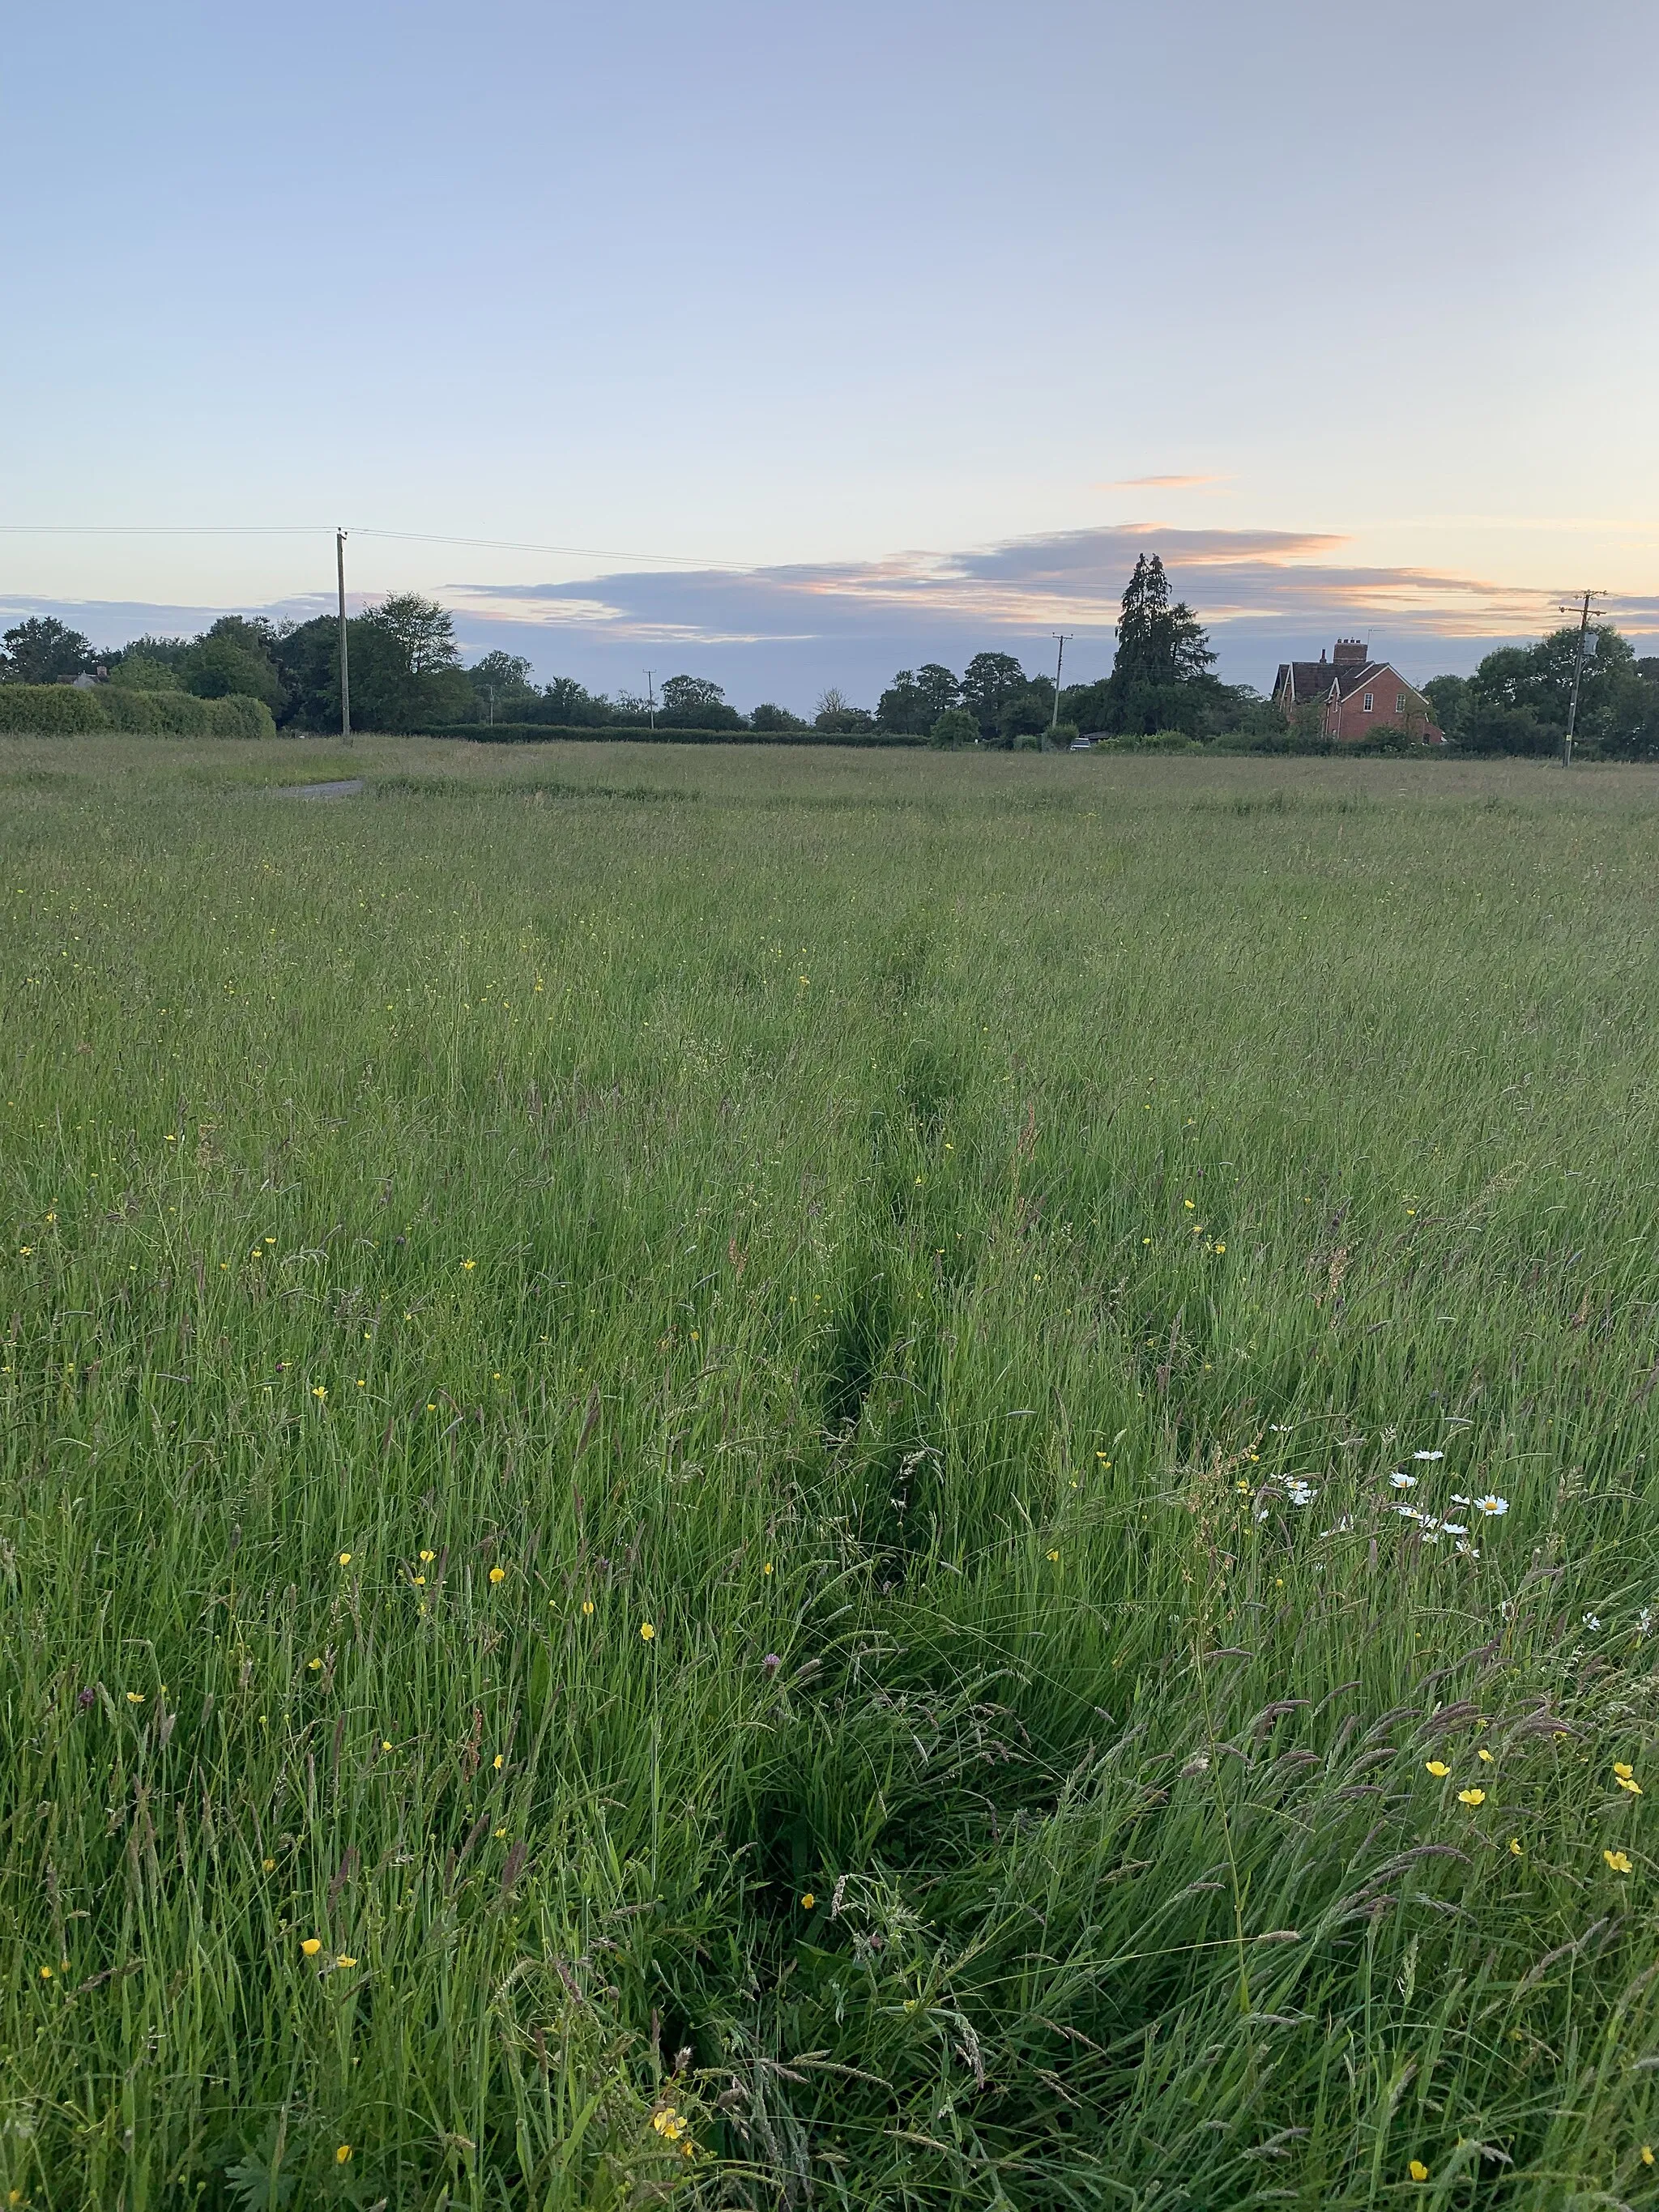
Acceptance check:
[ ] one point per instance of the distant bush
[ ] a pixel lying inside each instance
(954, 728)
(48, 710)
(236, 715)
(143, 672)
(59, 710)
(1153, 741)
(155, 714)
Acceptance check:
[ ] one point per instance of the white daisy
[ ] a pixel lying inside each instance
(1492, 1504)
(1433, 1455)
(1401, 1480)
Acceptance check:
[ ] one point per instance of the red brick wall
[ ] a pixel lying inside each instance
(1349, 722)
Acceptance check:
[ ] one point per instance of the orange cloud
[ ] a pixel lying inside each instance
(1158, 484)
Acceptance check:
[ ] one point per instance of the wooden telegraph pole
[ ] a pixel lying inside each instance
(345, 673)
(1584, 615)
(1060, 637)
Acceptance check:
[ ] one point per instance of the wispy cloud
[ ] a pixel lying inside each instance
(786, 631)
(1292, 579)
(1158, 484)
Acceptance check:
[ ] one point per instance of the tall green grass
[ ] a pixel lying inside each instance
(659, 1400)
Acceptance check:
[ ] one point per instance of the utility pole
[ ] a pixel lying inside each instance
(1584, 614)
(651, 699)
(345, 673)
(1059, 662)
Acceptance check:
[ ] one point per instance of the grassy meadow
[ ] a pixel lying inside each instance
(703, 1466)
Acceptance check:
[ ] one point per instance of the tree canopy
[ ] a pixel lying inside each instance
(43, 650)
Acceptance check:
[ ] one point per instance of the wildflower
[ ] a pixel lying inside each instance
(1053, 1555)
(1645, 1620)
(1484, 1756)
(1592, 1621)
(386, 1743)
(1467, 1551)
(766, 1569)
(1647, 2153)
(1418, 2171)
(1401, 1480)
(342, 2155)
(500, 1762)
(771, 1662)
(1438, 1768)
(135, 1697)
(1491, 1505)
(269, 1865)
(427, 1558)
(420, 1581)
(587, 1605)
(468, 1265)
(345, 1959)
(317, 1391)
(345, 1558)
(1623, 1769)
(1471, 1797)
(646, 1631)
(1244, 1487)
(1618, 1862)
(313, 1664)
(312, 1946)
(1515, 1846)
(1628, 1782)
(1428, 1455)
(807, 1901)
(498, 1833)
(45, 1973)
(498, 1574)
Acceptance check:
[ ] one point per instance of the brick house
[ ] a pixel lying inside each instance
(1359, 695)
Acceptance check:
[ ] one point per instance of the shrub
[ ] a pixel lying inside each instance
(48, 710)
(1152, 741)
(954, 728)
(237, 715)
(59, 710)
(155, 714)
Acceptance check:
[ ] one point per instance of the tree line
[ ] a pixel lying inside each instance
(406, 673)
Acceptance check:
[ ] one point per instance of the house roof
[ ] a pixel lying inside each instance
(1308, 679)
(1314, 679)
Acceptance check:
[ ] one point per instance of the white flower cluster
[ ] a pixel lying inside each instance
(1429, 1526)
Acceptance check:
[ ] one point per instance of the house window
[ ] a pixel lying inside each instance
(1399, 702)
(1368, 703)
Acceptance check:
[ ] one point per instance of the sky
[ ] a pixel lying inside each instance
(791, 344)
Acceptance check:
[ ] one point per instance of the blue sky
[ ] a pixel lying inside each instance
(849, 337)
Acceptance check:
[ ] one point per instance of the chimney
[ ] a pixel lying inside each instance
(1351, 652)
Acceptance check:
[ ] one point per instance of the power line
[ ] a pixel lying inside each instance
(318, 530)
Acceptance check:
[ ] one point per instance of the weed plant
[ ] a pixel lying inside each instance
(883, 1481)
